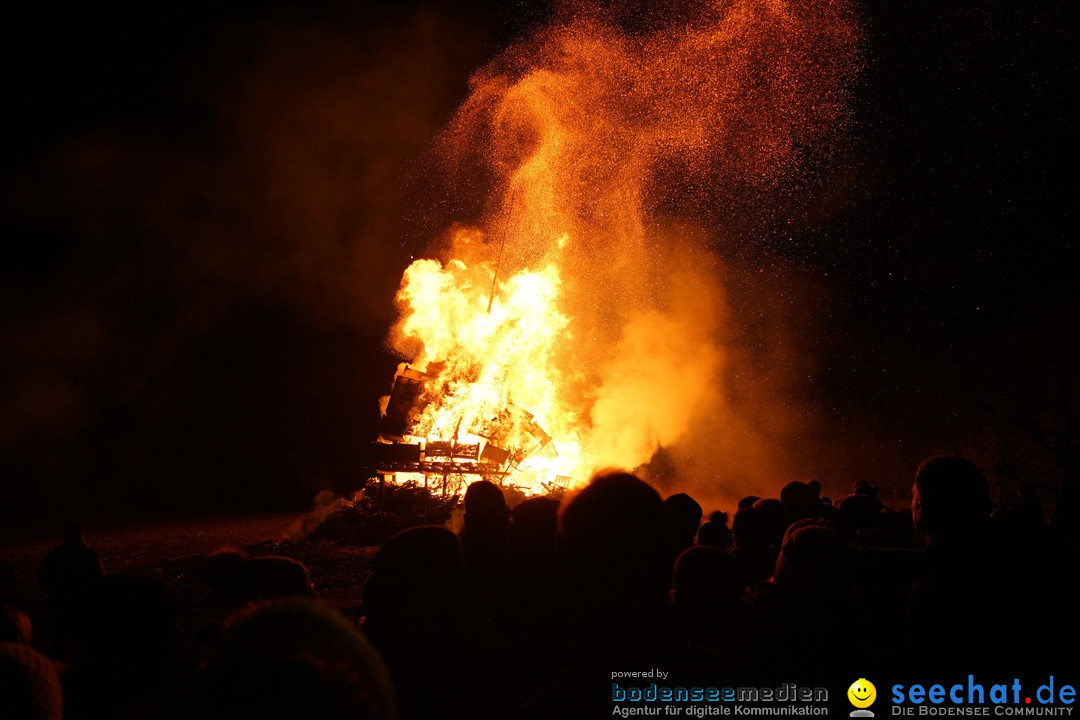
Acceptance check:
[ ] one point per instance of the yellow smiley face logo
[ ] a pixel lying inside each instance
(862, 693)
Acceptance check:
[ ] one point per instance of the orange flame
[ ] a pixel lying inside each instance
(603, 329)
(485, 359)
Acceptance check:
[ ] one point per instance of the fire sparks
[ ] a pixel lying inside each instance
(582, 334)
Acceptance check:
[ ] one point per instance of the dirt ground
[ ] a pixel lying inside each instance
(173, 551)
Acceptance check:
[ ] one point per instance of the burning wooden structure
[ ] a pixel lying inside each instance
(495, 448)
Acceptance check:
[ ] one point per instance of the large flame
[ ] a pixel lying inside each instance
(489, 348)
(568, 311)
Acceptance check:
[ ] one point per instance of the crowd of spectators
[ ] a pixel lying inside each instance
(527, 611)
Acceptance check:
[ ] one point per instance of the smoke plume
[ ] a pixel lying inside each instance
(570, 149)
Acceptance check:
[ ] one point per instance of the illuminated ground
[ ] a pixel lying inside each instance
(173, 551)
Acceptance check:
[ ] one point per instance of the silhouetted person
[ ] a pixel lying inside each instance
(1026, 513)
(800, 501)
(860, 512)
(968, 580)
(751, 545)
(687, 513)
(125, 653)
(486, 512)
(814, 560)
(444, 656)
(747, 502)
(616, 540)
(239, 579)
(536, 624)
(827, 512)
(864, 519)
(29, 685)
(987, 592)
(716, 532)
(15, 625)
(485, 544)
(68, 572)
(804, 613)
(774, 515)
(534, 537)
(615, 550)
(708, 592)
(293, 659)
(950, 498)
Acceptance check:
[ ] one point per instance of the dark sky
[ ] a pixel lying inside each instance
(206, 212)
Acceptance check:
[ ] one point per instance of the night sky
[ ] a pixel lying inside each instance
(206, 213)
